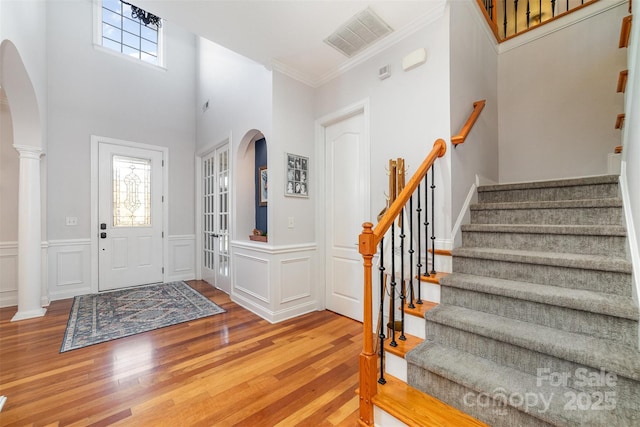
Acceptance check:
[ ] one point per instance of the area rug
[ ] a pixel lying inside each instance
(106, 316)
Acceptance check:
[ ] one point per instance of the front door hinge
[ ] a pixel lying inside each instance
(163, 234)
(162, 270)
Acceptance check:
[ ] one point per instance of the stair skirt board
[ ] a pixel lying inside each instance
(537, 325)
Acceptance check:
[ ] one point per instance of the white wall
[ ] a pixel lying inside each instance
(24, 24)
(409, 110)
(9, 168)
(95, 92)
(239, 92)
(293, 132)
(474, 76)
(23, 71)
(558, 103)
(631, 151)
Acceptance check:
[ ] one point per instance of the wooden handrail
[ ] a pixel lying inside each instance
(464, 132)
(622, 81)
(368, 243)
(625, 31)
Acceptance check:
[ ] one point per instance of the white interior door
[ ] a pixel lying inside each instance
(130, 193)
(347, 208)
(215, 206)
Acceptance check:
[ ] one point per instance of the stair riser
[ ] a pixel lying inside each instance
(624, 331)
(485, 409)
(614, 246)
(601, 191)
(573, 216)
(592, 280)
(627, 391)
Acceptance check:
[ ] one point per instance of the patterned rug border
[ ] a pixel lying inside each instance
(203, 305)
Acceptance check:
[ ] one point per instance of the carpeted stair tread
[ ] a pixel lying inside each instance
(571, 182)
(550, 204)
(489, 379)
(590, 301)
(582, 261)
(578, 348)
(586, 230)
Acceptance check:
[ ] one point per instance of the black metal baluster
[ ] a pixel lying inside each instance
(402, 337)
(540, 12)
(433, 216)
(419, 264)
(553, 9)
(392, 294)
(381, 336)
(411, 251)
(426, 222)
(515, 16)
(567, 6)
(528, 13)
(504, 25)
(490, 9)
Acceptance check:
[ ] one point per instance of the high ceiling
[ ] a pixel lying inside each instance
(288, 34)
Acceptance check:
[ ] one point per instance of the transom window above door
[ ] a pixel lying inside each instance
(134, 32)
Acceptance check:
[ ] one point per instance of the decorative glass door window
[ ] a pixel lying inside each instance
(223, 213)
(131, 192)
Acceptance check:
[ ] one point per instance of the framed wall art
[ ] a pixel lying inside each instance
(297, 182)
(263, 185)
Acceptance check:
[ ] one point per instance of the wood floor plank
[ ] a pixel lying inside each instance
(229, 369)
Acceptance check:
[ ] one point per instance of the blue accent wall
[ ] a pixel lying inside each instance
(261, 160)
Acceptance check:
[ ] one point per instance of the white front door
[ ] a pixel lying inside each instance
(346, 158)
(215, 220)
(130, 193)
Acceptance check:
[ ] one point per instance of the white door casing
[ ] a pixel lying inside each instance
(216, 218)
(346, 208)
(130, 215)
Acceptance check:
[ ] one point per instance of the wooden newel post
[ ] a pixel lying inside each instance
(368, 359)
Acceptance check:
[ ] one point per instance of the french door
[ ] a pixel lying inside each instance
(215, 218)
(130, 222)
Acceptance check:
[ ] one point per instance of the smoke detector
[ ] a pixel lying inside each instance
(362, 30)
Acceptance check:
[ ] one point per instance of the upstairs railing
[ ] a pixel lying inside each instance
(396, 221)
(509, 18)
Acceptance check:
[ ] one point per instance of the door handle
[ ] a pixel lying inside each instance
(103, 235)
(215, 235)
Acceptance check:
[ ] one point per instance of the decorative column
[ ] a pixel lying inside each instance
(29, 235)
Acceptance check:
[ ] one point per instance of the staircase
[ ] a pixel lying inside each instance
(537, 324)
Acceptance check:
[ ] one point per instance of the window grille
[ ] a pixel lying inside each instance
(131, 31)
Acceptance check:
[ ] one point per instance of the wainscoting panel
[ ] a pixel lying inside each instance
(9, 276)
(182, 258)
(251, 276)
(69, 268)
(296, 279)
(275, 282)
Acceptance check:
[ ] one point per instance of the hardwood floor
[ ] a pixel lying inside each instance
(231, 369)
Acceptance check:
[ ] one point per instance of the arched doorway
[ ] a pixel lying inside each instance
(27, 140)
(251, 189)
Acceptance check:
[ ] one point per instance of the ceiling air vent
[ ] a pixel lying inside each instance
(359, 32)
